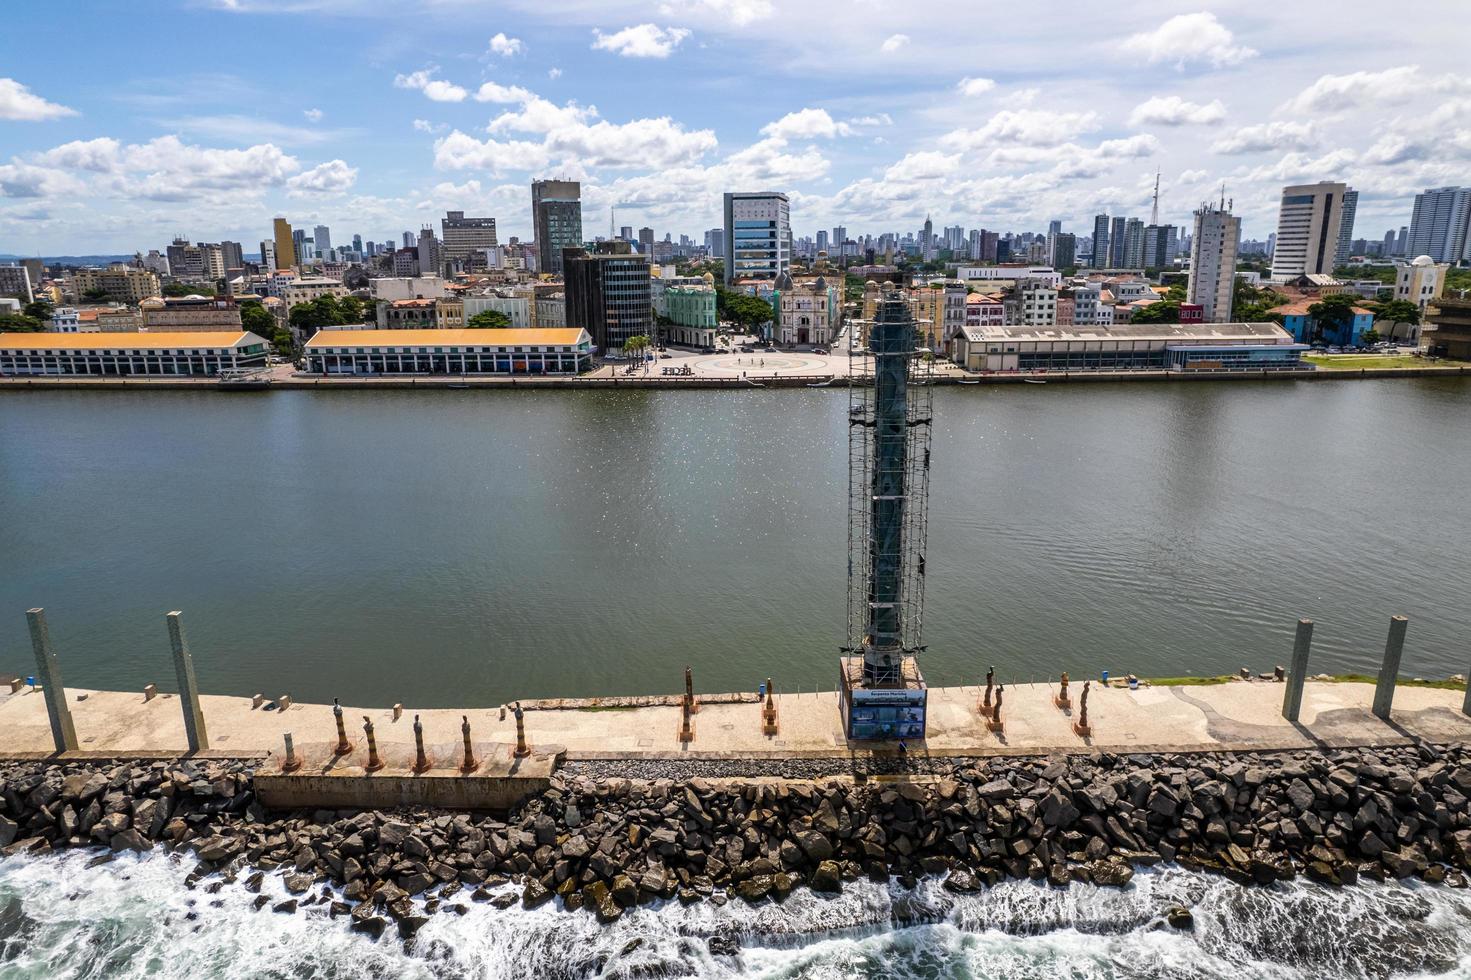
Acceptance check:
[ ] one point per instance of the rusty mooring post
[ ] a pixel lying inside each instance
(343, 745)
(995, 722)
(522, 749)
(1080, 727)
(769, 724)
(686, 726)
(1062, 700)
(421, 761)
(689, 690)
(985, 707)
(374, 763)
(292, 763)
(470, 763)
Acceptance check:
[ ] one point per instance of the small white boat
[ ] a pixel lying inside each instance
(1035, 381)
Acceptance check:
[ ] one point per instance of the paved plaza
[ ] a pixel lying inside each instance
(1236, 715)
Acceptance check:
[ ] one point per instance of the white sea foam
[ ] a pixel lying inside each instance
(135, 918)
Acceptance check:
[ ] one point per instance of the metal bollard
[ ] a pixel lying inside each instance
(150, 691)
(398, 712)
(257, 701)
(374, 763)
(283, 702)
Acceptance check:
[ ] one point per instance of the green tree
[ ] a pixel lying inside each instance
(94, 295)
(1164, 311)
(258, 320)
(1333, 313)
(748, 311)
(489, 320)
(1370, 337)
(636, 346)
(1396, 311)
(37, 310)
(180, 289)
(20, 323)
(325, 311)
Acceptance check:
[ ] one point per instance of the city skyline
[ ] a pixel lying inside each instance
(460, 109)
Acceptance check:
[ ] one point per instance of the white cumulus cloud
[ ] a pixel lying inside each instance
(1024, 127)
(1187, 38)
(641, 41)
(806, 124)
(1268, 136)
(312, 115)
(506, 46)
(893, 43)
(20, 104)
(434, 88)
(1171, 110)
(507, 94)
(332, 177)
(975, 86)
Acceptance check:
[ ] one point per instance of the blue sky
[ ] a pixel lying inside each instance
(123, 123)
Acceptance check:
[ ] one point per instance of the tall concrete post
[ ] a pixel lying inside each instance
(1292, 699)
(1466, 704)
(63, 732)
(1394, 648)
(188, 687)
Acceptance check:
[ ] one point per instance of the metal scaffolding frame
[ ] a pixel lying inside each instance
(890, 410)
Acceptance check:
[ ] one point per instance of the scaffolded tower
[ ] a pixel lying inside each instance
(882, 689)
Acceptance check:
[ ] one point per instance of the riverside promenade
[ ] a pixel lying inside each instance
(1234, 716)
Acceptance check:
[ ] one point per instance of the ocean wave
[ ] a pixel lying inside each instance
(135, 917)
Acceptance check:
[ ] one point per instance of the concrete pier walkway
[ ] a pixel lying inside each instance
(1220, 717)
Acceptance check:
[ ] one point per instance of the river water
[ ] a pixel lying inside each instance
(449, 547)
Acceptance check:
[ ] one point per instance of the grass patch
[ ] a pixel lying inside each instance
(1446, 685)
(1354, 362)
(1189, 681)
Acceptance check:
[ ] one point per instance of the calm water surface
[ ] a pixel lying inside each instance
(458, 546)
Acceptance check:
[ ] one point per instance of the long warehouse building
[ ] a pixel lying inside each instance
(504, 351)
(1126, 346)
(168, 354)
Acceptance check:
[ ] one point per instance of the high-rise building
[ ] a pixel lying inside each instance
(1346, 228)
(357, 244)
(15, 282)
(1116, 243)
(608, 294)
(285, 244)
(822, 241)
(556, 220)
(408, 238)
(1307, 229)
(268, 256)
(431, 255)
(645, 240)
(927, 240)
(1064, 250)
(1134, 243)
(757, 235)
(1440, 226)
(840, 237)
(299, 246)
(232, 255)
(464, 236)
(1160, 246)
(1213, 249)
(1402, 241)
(322, 240)
(715, 243)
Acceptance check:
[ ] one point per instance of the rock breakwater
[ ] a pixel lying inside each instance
(607, 843)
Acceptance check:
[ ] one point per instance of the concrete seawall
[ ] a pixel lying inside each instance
(735, 384)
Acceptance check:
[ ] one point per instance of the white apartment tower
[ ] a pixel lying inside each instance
(1213, 262)
(1441, 225)
(1307, 229)
(757, 235)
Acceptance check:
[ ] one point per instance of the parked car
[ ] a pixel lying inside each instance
(707, 350)
(818, 350)
(666, 356)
